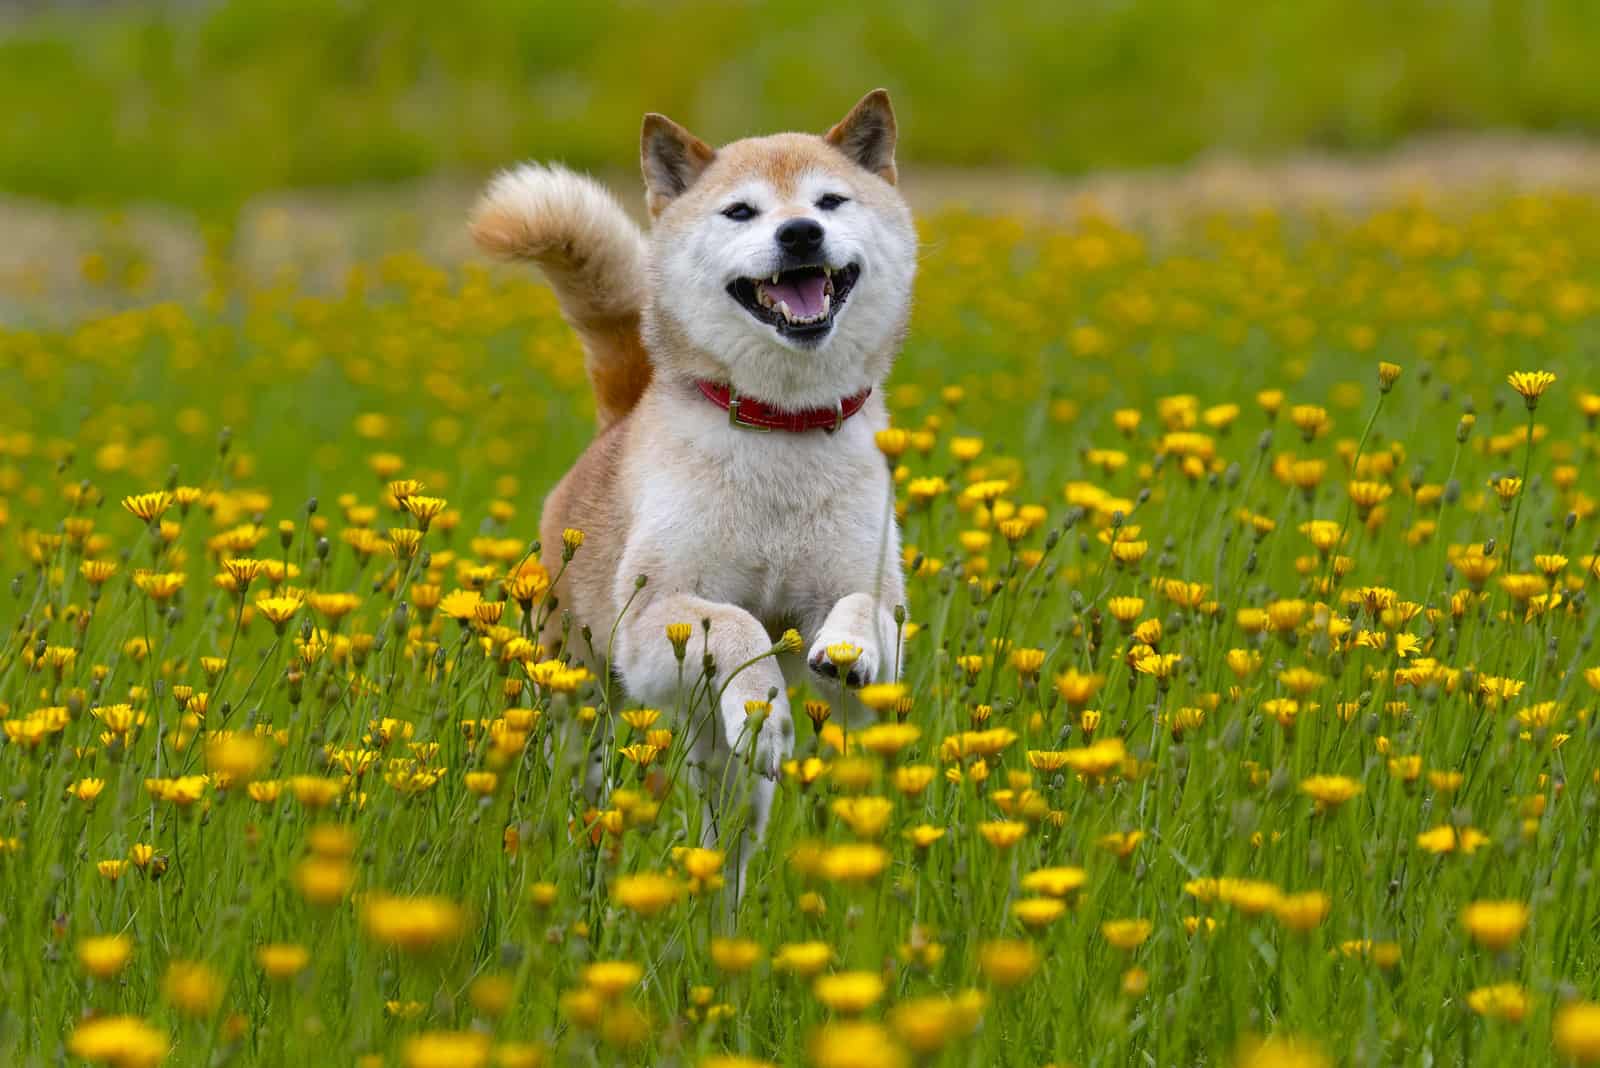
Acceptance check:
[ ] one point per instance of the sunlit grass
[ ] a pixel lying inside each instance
(1247, 710)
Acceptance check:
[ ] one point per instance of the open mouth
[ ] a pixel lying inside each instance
(801, 302)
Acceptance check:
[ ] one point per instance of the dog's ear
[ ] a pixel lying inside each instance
(672, 158)
(867, 135)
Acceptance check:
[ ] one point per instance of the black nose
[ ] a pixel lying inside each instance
(800, 237)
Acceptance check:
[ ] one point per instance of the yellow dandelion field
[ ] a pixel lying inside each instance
(1248, 712)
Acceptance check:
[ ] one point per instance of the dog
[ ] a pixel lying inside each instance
(737, 356)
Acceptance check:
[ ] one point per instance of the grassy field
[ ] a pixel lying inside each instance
(1248, 713)
(206, 104)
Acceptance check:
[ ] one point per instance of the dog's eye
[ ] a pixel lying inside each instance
(829, 201)
(739, 212)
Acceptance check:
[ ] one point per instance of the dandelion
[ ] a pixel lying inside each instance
(1008, 962)
(1502, 1001)
(1127, 934)
(1495, 924)
(802, 958)
(446, 1049)
(104, 956)
(855, 1044)
(192, 988)
(1577, 1032)
(148, 507)
(1330, 791)
(850, 993)
(1531, 385)
(282, 961)
(414, 924)
(121, 1041)
(647, 893)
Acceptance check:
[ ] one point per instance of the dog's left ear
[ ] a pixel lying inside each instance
(867, 135)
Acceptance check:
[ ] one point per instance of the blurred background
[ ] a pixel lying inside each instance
(203, 105)
(146, 146)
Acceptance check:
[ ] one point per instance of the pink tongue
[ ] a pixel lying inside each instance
(803, 295)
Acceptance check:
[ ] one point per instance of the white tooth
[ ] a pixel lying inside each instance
(827, 270)
(783, 309)
(827, 303)
(774, 277)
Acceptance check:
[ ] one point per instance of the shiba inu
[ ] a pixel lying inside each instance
(737, 355)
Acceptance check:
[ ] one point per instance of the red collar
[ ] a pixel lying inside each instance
(750, 414)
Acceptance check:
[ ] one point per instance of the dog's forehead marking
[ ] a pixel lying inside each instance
(783, 161)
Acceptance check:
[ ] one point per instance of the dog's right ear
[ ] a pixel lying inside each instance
(672, 158)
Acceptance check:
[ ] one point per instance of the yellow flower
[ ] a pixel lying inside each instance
(86, 790)
(1577, 1032)
(1303, 912)
(1003, 834)
(865, 816)
(647, 893)
(192, 988)
(1078, 688)
(103, 956)
(1330, 791)
(446, 1049)
(1281, 1052)
(849, 992)
(413, 923)
(148, 506)
(1506, 488)
(1056, 882)
(278, 610)
(1121, 843)
(927, 1024)
(424, 509)
(609, 978)
(1502, 1001)
(1388, 374)
(842, 654)
(735, 955)
(282, 960)
(1126, 934)
(121, 1041)
(853, 863)
(1531, 385)
(1495, 924)
(879, 696)
(802, 958)
(1038, 911)
(1008, 962)
(855, 1044)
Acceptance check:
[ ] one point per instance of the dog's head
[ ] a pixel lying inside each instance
(781, 264)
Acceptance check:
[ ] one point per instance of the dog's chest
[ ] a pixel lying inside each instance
(758, 520)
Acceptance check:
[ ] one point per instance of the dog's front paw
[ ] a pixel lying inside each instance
(835, 657)
(763, 739)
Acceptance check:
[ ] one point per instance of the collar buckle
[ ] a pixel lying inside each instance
(733, 415)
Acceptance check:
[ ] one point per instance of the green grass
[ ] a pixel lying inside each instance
(1024, 337)
(207, 107)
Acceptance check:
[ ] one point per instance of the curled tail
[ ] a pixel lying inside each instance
(594, 257)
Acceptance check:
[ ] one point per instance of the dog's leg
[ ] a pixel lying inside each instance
(744, 673)
(738, 804)
(860, 620)
(737, 810)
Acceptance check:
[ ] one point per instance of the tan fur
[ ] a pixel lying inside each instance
(594, 258)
